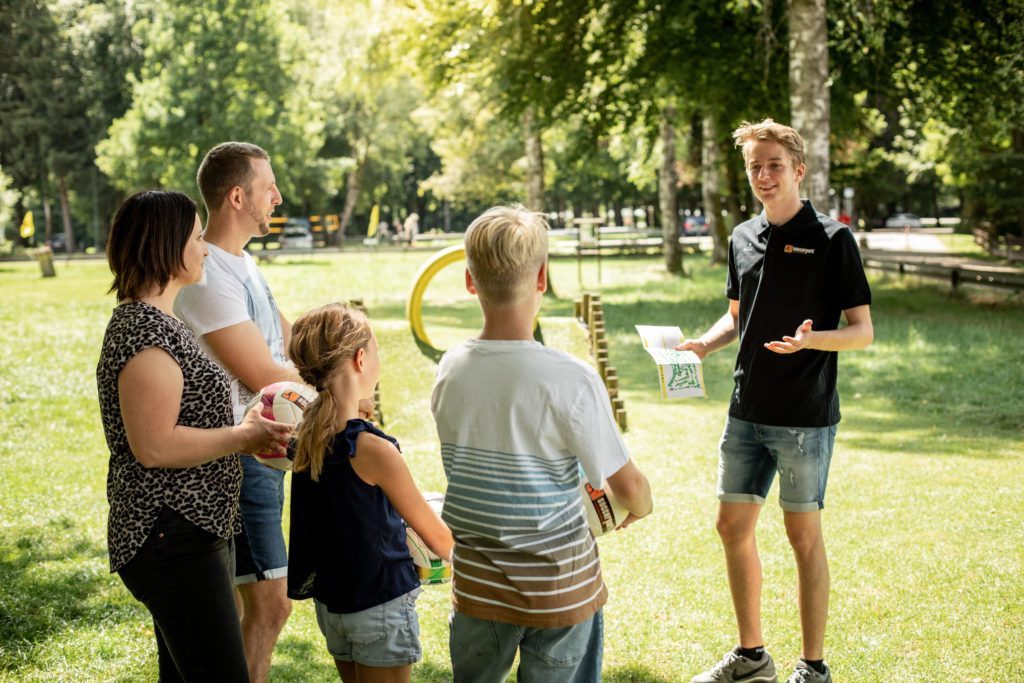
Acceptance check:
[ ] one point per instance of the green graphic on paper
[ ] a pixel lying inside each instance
(679, 372)
(684, 377)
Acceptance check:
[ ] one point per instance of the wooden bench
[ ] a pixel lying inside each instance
(1014, 248)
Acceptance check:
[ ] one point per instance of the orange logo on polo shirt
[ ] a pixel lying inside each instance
(790, 249)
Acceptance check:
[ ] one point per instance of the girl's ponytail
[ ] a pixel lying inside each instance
(321, 340)
(315, 433)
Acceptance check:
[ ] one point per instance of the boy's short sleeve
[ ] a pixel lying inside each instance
(592, 435)
(850, 287)
(732, 282)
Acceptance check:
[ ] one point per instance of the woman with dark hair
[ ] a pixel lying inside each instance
(174, 473)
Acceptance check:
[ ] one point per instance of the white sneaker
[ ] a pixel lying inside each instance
(805, 673)
(735, 668)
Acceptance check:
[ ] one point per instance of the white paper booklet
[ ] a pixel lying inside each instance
(680, 372)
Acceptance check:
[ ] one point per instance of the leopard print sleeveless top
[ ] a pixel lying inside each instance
(206, 495)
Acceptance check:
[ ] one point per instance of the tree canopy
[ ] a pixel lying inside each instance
(442, 107)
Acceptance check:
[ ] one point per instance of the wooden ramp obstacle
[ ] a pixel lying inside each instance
(584, 336)
(590, 314)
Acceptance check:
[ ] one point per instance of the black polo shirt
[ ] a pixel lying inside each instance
(809, 268)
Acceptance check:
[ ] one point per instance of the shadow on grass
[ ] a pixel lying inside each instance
(49, 579)
(299, 659)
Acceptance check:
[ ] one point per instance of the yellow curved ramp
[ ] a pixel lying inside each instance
(414, 306)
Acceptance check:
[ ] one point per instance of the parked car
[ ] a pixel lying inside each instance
(903, 220)
(59, 241)
(296, 237)
(695, 226)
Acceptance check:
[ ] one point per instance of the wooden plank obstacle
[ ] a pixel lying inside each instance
(590, 314)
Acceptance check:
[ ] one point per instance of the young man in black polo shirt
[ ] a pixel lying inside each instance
(793, 273)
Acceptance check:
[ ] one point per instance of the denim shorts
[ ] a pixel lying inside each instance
(484, 651)
(260, 552)
(382, 636)
(751, 454)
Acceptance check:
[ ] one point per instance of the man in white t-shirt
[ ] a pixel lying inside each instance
(517, 421)
(236, 319)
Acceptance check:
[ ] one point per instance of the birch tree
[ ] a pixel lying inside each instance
(668, 199)
(809, 93)
(711, 163)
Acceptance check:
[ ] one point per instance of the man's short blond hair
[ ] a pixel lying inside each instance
(769, 131)
(505, 248)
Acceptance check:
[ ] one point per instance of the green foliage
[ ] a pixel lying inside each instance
(481, 152)
(369, 94)
(211, 73)
(359, 102)
(29, 51)
(949, 66)
(63, 74)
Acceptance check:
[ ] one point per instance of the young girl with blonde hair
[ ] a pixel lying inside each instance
(351, 489)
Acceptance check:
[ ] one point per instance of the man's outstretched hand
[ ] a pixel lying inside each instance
(800, 340)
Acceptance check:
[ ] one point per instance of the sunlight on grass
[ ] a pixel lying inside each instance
(923, 516)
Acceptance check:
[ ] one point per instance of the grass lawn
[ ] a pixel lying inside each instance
(923, 524)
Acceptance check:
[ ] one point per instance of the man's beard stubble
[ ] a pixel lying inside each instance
(262, 222)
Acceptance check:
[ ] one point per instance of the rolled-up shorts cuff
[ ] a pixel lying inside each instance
(740, 498)
(260, 550)
(750, 456)
(813, 506)
(279, 573)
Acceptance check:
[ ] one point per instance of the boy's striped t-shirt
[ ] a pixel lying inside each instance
(517, 421)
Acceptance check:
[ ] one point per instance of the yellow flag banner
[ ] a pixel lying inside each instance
(28, 226)
(374, 221)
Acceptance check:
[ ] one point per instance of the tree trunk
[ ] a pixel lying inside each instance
(732, 197)
(534, 162)
(47, 221)
(711, 191)
(1017, 144)
(19, 215)
(355, 181)
(668, 200)
(65, 213)
(809, 93)
(535, 174)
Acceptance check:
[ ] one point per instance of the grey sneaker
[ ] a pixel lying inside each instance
(803, 673)
(734, 667)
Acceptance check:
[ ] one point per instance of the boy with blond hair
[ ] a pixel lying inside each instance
(793, 275)
(517, 421)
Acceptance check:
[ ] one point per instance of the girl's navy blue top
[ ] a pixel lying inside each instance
(347, 544)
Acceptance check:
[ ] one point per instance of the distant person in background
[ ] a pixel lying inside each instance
(793, 274)
(238, 322)
(383, 231)
(174, 474)
(411, 227)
